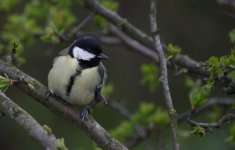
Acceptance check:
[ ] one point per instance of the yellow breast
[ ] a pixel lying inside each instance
(82, 91)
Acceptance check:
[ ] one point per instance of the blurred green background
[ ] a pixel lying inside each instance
(199, 27)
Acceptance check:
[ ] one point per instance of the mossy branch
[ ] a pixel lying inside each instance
(38, 91)
(25, 120)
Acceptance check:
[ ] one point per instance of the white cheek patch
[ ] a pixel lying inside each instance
(82, 54)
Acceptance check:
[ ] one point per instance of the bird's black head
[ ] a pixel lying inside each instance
(87, 51)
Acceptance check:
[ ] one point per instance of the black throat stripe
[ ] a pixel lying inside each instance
(71, 82)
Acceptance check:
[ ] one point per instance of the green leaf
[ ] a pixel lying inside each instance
(60, 144)
(15, 43)
(150, 75)
(198, 95)
(110, 4)
(231, 137)
(4, 83)
(215, 68)
(232, 36)
(172, 51)
(146, 108)
(7, 5)
(190, 83)
(61, 19)
(197, 130)
(218, 66)
(100, 22)
(47, 129)
(107, 90)
(159, 118)
(147, 114)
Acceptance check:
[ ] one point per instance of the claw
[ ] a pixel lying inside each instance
(48, 93)
(84, 114)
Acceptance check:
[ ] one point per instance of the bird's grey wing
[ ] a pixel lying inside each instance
(103, 74)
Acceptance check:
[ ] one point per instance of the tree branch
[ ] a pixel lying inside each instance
(181, 60)
(82, 24)
(164, 76)
(215, 101)
(114, 18)
(25, 120)
(225, 119)
(39, 92)
(222, 102)
(120, 108)
(132, 32)
(133, 44)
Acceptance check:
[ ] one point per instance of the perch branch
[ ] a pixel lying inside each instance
(164, 77)
(38, 91)
(25, 120)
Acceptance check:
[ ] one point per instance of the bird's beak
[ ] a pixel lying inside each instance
(102, 56)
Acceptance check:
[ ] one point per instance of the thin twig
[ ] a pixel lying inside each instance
(84, 22)
(140, 36)
(25, 120)
(141, 132)
(39, 92)
(62, 37)
(137, 138)
(133, 44)
(103, 37)
(114, 18)
(164, 77)
(215, 101)
(120, 108)
(225, 119)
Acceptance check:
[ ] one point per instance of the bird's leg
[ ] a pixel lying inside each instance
(49, 93)
(85, 113)
(87, 109)
(94, 102)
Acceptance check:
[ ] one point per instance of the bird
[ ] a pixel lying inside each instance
(78, 75)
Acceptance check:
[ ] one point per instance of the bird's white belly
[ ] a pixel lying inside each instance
(83, 89)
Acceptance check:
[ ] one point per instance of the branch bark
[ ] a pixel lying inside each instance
(25, 120)
(114, 18)
(38, 91)
(134, 33)
(164, 77)
(215, 101)
(225, 119)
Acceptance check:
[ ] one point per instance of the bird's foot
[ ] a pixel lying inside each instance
(49, 93)
(85, 114)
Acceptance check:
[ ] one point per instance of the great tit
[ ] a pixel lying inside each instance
(77, 75)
